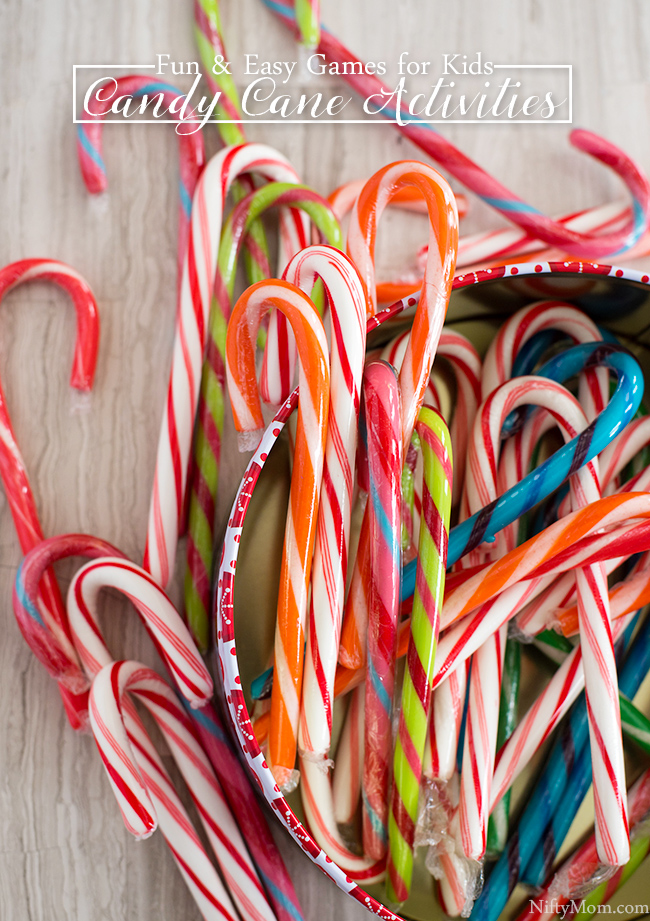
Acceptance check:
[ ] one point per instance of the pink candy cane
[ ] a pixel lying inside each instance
(49, 632)
(384, 448)
(491, 190)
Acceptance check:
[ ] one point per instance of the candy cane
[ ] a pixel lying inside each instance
(47, 631)
(450, 158)
(199, 269)
(425, 621)
(57, 658)
(206, 724)
(581, 868)
(597, 649)
(210, 413)
(466, 366)
(481, 489)
(184, 663)
(523, 325)
(305, 485)
(148, 779)
(542, 718)
(209, 40)
(89, 144)
(445, 720)
(500, 246)
(133, 772)
(150, 601)
(425, 332)
(384, 447)
(329, 569)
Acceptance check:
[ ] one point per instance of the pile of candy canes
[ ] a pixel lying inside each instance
(480, 538)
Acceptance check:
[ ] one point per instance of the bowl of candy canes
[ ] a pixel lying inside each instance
(427, 602)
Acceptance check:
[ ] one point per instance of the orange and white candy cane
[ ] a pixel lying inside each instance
(425, 332)
(313, 407)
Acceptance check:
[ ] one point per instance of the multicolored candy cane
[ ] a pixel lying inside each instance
(199, 267)
(490, 190)
(383, 426)
(425, 333)
(47, 630)
(210, 412)
(305, 486)
(89, 144)
(425, 623)
(206, 724)
(307, 13)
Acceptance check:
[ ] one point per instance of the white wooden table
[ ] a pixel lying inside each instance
(65, 853)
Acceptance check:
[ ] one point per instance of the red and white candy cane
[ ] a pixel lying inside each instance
(346, 306)
(199, 268)
(622, 450)
(50, 634)
(445, 719)
(140, 781)
(592, 587)
(183, 661)
(170, 634)
(542, 718)
(206, 723)
(318, 806)
(306, 479)
(465, 363)
(425, 331)
(555, 315)
(347, 311)
(500, 246)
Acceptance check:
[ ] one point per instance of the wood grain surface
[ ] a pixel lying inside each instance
(64, 852)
